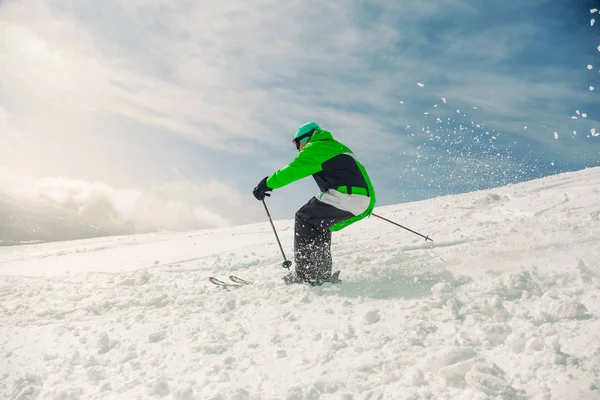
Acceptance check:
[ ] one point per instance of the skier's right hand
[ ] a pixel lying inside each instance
(260, 191)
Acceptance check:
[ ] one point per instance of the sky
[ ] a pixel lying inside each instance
(169, 113)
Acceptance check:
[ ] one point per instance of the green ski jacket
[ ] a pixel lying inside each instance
(334, 167)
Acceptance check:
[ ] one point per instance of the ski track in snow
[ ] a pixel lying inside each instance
(503, 305)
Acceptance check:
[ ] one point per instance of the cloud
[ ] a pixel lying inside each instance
(53, 54)
(217, 73)
(176, 206)
(229, 74)
(11, 141)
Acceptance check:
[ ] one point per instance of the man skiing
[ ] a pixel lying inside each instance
(347, 196)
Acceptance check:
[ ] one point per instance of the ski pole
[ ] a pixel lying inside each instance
(286, 263)
(410, 230)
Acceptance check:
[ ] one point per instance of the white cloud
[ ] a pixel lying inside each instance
(12, 143)
(223, 73)
(176, 206)
(214, 72)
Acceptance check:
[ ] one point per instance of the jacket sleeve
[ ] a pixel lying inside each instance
(306, 163)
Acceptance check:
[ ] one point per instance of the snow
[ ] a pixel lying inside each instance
(503, 304)
(590, 66)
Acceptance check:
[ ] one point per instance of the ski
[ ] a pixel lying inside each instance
(235, 282)
(240, 281)
(219, 282)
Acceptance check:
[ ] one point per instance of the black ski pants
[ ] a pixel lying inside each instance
(312, 239)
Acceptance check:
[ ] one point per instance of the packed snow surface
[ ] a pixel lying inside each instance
(503, 305)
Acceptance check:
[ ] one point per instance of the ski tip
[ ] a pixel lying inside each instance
(240, 281)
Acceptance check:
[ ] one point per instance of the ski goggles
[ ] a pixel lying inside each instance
(301, 138)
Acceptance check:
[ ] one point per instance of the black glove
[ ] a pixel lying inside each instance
(260, 191)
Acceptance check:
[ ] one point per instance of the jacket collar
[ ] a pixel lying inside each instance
(320, 135)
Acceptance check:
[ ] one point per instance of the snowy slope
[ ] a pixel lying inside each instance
(504, 304)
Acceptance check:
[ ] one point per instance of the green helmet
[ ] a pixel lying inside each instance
(304, 133)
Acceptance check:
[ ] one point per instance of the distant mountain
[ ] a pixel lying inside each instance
(27, 221)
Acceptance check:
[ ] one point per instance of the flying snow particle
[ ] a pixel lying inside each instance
(552, 163)
(458, 111)
(401, 102)
(598, 48)
(593, 10)
(592, 22)
(584, 115)
(474, 108)
(591, 88)
(444, 100)
(525, 127)
(435, 105)
(590, 66)
(574, 132)
(573, 117)
(593, 131)
(555, 135)
(577, 112)
(426, 113)
(420, 84)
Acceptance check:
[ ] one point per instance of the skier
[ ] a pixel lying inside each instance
(347, 196)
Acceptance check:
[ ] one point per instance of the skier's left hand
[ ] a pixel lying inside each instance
(260, 191)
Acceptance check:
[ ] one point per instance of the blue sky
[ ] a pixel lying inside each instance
(189, 104)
